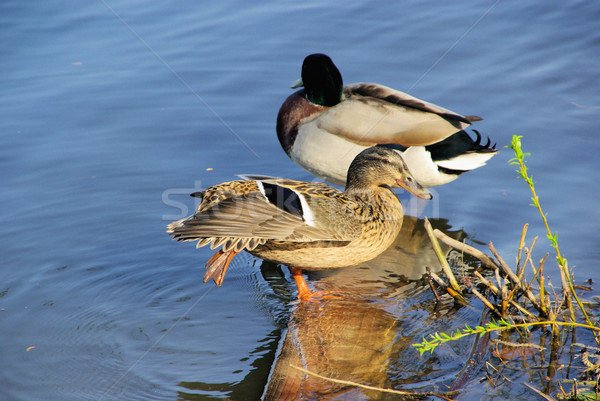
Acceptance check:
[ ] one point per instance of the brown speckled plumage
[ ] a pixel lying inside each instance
(308, 225)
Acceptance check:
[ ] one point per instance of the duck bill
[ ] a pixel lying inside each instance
(297, 84)
(415, 188)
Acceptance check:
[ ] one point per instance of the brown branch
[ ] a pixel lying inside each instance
(513, 277)
(442, 258)
(461, 246)
(429, 280)
(485, 301)
(443, 395)
(494, 289)
(545, 396)
(521, 245)
(457, 296)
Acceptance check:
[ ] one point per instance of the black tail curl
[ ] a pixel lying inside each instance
(477, 143)
(458, 144)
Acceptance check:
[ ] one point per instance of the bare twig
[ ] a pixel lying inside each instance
(486, 282)
(443, 396)
(484, 300)
(461, 246)
(494, 289)
(545, 396)
(442, 258)
(429, 280)
(457, 296)
(503, 264)
(521, 245)
(498, 279)
(529, 251)
(543, 299)
(516, 280)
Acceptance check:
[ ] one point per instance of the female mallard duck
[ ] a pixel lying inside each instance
(304, 225)
(323, 126)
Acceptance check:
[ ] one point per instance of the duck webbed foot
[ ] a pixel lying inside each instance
(217, 266)
(304, 293)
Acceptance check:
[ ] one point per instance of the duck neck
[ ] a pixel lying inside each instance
(362, 177)
(377, 202)
(361, 182)
(369, 192)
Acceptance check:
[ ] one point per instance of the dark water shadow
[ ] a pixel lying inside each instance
(250, 388)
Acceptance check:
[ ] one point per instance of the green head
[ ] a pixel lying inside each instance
(321, 79)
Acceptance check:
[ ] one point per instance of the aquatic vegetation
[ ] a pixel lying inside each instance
(516, 307)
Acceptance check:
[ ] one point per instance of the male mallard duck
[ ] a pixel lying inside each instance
(304, 225)
(325, 125)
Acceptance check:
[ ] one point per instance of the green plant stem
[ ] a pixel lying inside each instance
(562, 262)
(440, 338)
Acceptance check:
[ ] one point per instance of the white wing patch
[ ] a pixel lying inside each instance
(307, 214)
(261, 188)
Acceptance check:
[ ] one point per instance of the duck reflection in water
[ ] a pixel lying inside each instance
(358, 337)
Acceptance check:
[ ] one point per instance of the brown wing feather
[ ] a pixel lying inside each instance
(397, 97)
(237, 216)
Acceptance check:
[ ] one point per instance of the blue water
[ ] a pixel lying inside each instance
(112, 112)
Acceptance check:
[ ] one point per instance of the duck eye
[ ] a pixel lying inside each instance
(409, 179)
(386, 161)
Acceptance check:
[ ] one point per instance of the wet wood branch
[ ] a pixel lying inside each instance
(438, 280)
(488, 262)
(442, 258)
(431, 286)
(538, 392)
(484, 300)
(516, 281)
(444, 395)
(521, 245)
(461, 246)
(529, 251)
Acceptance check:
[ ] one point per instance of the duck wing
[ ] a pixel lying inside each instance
(399, 98)
(244, 214)
(371, 114)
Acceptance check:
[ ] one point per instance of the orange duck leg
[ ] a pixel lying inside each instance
(303, 290)
(217, 265)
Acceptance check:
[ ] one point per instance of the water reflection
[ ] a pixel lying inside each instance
(364, 334)
(357, 336)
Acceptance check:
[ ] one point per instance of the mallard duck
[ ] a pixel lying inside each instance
(325, 125)
(304, 225)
